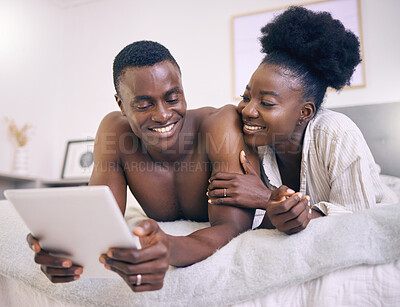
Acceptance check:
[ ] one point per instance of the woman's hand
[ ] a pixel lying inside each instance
(57, 269)
(142, 269)
(287, 211)
(239, 190)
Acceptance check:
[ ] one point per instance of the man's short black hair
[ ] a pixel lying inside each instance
(139, 54)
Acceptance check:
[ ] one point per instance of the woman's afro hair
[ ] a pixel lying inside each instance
(329, 51)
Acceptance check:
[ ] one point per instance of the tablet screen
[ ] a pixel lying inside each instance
(80, 223)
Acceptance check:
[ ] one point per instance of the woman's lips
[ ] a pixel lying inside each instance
(248, 128)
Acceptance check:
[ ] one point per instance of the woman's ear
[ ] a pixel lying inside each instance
(307, 111)
(119, 102)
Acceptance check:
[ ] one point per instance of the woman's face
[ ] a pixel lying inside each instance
(273, 110)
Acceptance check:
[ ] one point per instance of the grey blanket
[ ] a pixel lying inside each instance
(251, 265)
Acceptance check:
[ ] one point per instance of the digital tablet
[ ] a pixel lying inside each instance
(79, 223)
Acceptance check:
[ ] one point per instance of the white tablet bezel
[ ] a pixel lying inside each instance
(81, 222)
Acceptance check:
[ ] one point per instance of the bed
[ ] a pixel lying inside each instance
(351, 260)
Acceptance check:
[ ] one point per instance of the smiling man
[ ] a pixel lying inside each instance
(165, 155)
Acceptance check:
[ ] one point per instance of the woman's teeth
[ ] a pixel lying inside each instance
(248, 127)
(164, 129)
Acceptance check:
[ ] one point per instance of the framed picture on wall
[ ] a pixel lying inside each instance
(246, 30)
(78, 161)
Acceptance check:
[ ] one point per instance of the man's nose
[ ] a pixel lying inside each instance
(161, 113)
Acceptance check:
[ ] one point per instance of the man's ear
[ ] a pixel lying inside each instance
(120, 104)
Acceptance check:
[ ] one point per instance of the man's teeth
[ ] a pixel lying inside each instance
(253, 127)
(164, 129)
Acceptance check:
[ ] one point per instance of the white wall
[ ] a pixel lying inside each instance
(71, 74)
(381, 40)
(30, 39)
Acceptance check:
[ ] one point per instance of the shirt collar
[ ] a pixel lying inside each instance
(271, 174)
(270, 170)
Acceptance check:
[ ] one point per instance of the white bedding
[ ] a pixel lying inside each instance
(337, 261)
(361, 285)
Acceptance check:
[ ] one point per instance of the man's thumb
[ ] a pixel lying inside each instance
(145, 227)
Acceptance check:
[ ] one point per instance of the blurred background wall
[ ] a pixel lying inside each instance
(56, 62)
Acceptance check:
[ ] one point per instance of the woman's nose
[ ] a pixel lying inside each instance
(249, 110)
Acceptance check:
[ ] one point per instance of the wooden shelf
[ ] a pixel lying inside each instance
(16, 181)
(64, 182)
(16, 178)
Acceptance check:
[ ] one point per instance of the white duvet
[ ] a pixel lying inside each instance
(356, 254)
(351, 260)
(361, 285)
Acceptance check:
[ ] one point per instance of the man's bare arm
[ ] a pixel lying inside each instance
(107, 168)
(224, 141)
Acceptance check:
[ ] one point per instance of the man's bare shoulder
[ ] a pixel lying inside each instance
(200, 114)
(115, 133)
(115, 122)
(224, 118)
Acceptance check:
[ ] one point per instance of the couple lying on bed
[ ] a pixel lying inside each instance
(203, 164)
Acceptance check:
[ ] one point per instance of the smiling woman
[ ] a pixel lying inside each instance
(320, 154)
(269, 105)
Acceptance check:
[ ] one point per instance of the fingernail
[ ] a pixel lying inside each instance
(309, 211)
(289, 191)
(209, 201)
(308, 198)
(34, 248)
(109, 254)
(76, 277)
(66, 264)
(207, 193)
(243, 153)
(78, 271)
(300, 195)
(102, 260)
(209, 181)
(107, 267)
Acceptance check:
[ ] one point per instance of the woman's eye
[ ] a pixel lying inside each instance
(267, 104)
(245, 98)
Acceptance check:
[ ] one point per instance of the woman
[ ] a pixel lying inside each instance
(319, 153)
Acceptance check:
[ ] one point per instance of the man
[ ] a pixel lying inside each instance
(166, 156)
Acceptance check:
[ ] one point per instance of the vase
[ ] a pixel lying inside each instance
(20, 165)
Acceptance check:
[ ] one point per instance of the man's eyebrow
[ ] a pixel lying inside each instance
(142, 97)
(272, 93)
(172, 91)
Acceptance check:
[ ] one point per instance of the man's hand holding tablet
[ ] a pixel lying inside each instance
(85, 223)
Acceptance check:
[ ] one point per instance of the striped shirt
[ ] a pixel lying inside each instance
(338, 171)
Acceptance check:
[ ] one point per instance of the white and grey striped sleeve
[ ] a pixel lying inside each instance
(353, 179)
